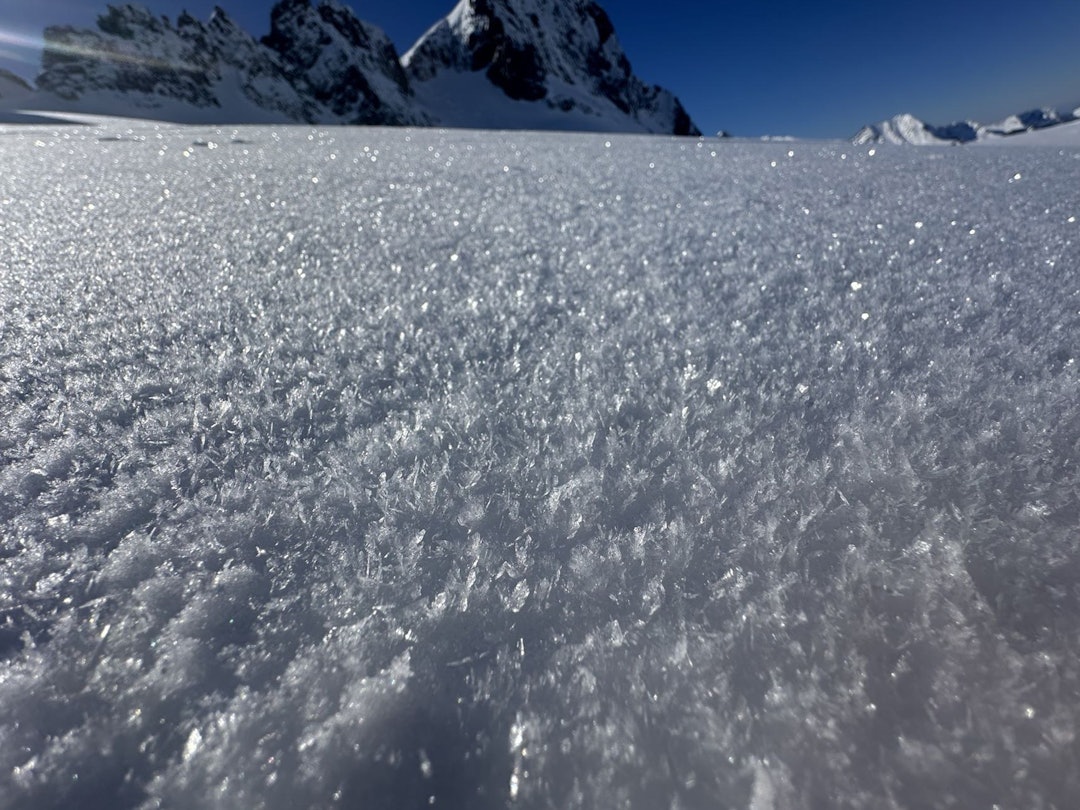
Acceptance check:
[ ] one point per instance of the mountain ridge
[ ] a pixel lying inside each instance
(535, 51)
(321, 64)
(907, 129)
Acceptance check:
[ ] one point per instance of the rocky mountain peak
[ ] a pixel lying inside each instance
(564, 54)
(348, 65)
(139, 63)
(535, 64)
(130, 21)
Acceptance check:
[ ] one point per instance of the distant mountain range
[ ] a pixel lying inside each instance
(907, 129)
(513, 64)
(494, 64)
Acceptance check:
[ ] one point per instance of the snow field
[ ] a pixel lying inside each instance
(362, 467)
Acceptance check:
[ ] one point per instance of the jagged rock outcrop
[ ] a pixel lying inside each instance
(346, 65)
(539, 64)
(562, 56)
(142, 61)
(320, 64)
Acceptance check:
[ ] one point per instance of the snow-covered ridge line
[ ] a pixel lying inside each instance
(907, 129)
(507, 64)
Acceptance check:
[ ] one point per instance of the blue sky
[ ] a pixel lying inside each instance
(756, 67)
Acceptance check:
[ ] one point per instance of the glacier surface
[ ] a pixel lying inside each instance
(406, 468)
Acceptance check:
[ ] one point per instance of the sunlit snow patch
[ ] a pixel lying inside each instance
(560, 471)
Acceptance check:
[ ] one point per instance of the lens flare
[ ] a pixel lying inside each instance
(17, 47)
(26, 48)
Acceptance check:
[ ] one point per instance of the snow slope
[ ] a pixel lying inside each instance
(1029, 121)
(354, 468)
(1064, 134)
(13, 88)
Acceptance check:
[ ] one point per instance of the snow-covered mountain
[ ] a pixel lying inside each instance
(319, 64)
(1029, 121)
(1066, 134)
(350, 68)
(492, 61)
(907, 129)
(140, 63)
(534, 64)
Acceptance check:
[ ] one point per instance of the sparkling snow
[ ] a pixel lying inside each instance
(392, 469)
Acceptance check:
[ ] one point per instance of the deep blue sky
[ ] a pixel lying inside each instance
(757, 67)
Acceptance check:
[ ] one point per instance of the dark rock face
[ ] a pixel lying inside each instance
(128, 22)
(319, 64)
(76, 61)
(563, 53)
(683, 124)
(517, 70)
(345, 64)
(513, 67)
(1039, 119)
(957, 132)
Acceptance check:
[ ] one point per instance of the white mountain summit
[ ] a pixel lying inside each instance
(906, 129)
(536, 63)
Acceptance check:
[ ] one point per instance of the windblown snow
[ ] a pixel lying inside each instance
(404, 468)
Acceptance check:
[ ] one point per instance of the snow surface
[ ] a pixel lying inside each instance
(1066, 134)
(469, 100)
(110, 104)
(404, 468)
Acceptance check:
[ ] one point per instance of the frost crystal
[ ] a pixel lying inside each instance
(698, 485)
